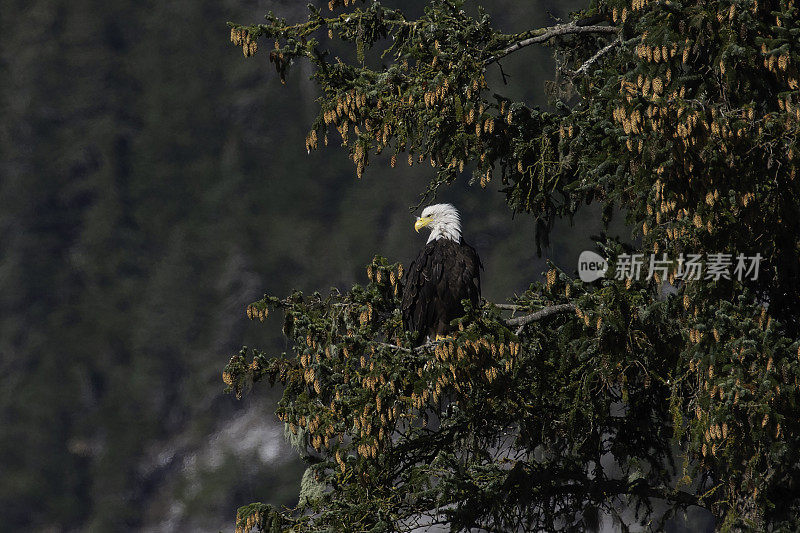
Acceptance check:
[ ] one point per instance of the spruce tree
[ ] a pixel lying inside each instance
(591, 399)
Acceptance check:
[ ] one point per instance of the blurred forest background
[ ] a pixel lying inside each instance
(153, 182)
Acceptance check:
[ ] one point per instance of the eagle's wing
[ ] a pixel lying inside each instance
(419, 292)
(443, 274)
(470, 274)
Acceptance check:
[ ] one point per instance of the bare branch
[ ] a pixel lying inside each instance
(508, 307)
(416, 349)
(600, 53)
(523, 321)
(538, 315)
(664, 493)
(394, 347)
(544, 34)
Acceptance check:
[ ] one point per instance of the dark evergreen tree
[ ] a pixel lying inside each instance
(594, 399)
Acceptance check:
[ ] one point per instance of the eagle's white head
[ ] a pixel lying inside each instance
(443, 220)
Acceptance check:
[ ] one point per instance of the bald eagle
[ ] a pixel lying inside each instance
(446, 271)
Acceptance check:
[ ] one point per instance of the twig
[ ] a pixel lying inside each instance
(503, 74)
(544, 34)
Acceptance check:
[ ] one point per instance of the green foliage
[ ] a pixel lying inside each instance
(429, 103)
(264, 517)
(686, 116)
(142, 199)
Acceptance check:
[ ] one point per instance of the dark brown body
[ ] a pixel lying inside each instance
(444, 273)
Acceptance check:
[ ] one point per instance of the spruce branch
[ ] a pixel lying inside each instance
(635, 128)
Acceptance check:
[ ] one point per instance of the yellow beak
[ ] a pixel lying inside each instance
(421, 223)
